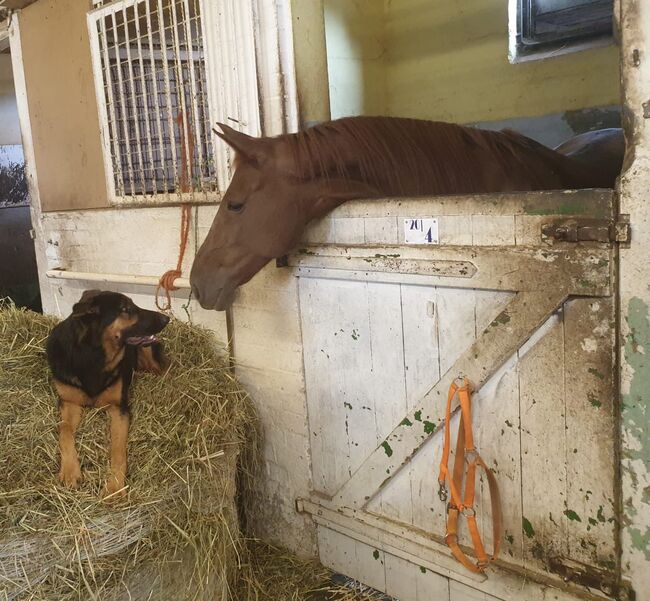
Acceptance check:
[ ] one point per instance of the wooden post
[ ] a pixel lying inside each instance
(635, 297)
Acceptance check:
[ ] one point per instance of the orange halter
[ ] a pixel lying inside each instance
(465, 451)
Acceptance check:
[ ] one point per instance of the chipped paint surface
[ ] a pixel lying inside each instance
(636, 418)
(589, 345)
(635, 299)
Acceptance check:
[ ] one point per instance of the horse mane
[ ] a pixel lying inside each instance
(408, 156)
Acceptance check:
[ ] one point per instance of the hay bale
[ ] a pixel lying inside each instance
(176, 534)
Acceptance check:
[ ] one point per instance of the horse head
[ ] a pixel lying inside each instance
(262, 214)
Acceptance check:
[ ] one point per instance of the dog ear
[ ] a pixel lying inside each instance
(89, 295)
(85, 305)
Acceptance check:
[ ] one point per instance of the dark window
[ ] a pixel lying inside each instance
(552, 24)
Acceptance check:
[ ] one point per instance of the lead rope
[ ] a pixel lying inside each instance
(168, 278)
(466, 452)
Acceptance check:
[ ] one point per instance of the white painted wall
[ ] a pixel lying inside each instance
(354, 32)
(9, 124)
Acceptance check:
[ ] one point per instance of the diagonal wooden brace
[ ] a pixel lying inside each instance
(501, 339)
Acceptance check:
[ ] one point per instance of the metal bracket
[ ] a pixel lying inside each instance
(589, 230)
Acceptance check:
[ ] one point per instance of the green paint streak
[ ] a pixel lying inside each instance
(355, 334)
(423, 570)
(636, 404)
(510, 539)
(592, 522)
(593, 399)
(347, 405)
(380, 256)
(636, 411)
(375, 554)
(528, 528)
(429, 427)
(418, 416)
(572, 515)
(569, 206)
(596, 373)
(601, 515)
(640, 540)
(406, 422)
(387, 448)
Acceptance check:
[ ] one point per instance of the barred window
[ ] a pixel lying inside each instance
(165, 72)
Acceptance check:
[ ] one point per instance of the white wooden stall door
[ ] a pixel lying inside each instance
(529, 319)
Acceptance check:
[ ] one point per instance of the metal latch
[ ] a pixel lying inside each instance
(589, 230)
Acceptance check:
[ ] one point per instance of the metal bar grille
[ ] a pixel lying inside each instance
(154, 98)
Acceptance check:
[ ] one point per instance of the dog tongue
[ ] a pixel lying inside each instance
(141, 340)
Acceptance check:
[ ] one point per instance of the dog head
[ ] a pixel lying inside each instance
(116, 320)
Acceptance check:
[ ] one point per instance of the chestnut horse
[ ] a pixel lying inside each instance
(281, 184)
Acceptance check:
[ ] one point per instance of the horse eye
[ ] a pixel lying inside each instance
(235, 207)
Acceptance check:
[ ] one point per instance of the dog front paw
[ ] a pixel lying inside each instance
(70, 474)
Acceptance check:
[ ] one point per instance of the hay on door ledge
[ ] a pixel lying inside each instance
(176, 534)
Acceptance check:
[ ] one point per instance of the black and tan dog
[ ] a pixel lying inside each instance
(92, 355)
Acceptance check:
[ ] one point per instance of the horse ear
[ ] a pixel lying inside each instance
(250, 148)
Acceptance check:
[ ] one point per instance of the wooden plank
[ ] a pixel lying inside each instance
(384, 386)
(511, 329)
(352, 558)
(543, 449)
(401, 580)
(594, 203)
(462, 592)
(422, 549)
(336, 551)
(330, 465)
(585, 271)
(493, 230)
(590, 430)
(431, 585)
(421, 316)
(370, 566)
(496, 406)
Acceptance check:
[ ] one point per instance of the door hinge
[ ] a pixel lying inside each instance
(599, 579)
(589, 230)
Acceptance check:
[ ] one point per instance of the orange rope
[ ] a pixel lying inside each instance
(167, 279)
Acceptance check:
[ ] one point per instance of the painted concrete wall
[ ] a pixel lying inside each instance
(448, 61)
(355, 57)
(62, 105)
(9, 126)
